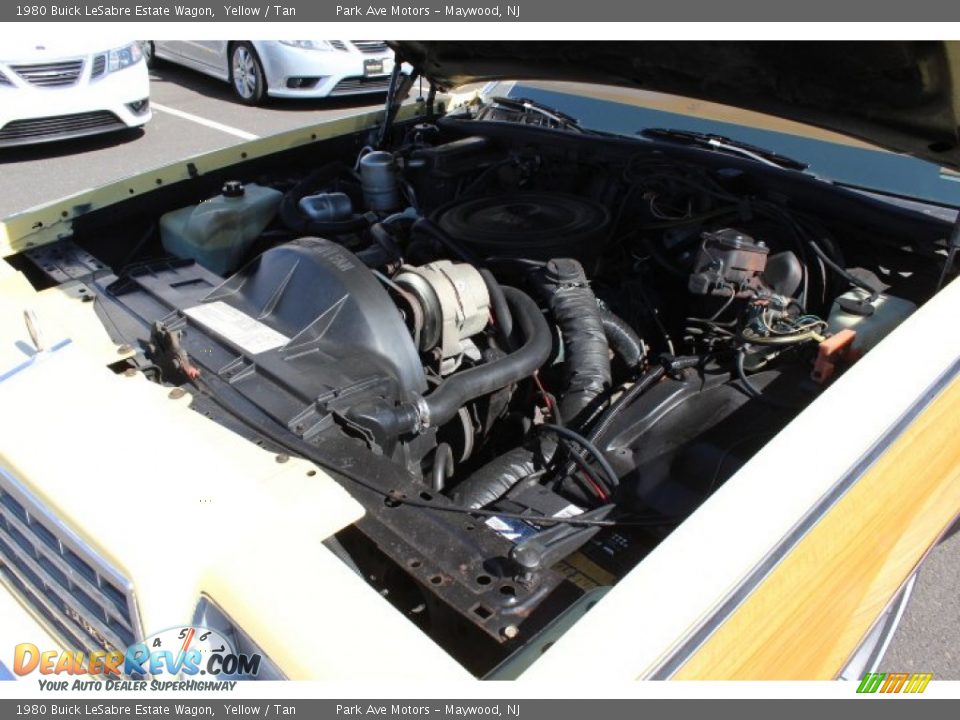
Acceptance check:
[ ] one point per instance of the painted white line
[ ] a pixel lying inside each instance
(204, 121)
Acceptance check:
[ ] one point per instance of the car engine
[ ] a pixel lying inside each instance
(530, 351)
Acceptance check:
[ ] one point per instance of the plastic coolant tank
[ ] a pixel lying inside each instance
(871, 320)
(218, 232)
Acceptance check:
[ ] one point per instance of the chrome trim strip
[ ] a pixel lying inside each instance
(73, 577)
(84, 551)
(893, 623)
(59, 73)
(64, 597)
(695, 640)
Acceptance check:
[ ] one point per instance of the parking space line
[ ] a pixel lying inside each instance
(204, 121)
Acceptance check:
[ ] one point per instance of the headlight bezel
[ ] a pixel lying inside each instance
(123, 57)
(316, 45)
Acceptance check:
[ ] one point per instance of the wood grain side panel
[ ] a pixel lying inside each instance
(816, 605)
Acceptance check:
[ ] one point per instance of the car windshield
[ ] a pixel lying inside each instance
(844, 160)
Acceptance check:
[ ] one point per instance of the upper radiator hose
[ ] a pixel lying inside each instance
(453, 393)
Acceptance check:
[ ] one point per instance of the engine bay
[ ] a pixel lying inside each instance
(529, 350)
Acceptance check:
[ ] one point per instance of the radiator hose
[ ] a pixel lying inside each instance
(623, 339)
(586, 350)
(574, 308)
(442, 404)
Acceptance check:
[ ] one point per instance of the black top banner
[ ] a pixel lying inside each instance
(574, 11)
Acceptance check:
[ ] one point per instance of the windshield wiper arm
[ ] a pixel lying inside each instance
(528, 105)
(724, 144)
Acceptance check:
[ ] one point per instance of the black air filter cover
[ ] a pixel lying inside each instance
(302, 332)
(532, 225)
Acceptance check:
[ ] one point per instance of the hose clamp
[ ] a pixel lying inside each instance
(423, 413)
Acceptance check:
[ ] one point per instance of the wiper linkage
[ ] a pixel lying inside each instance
(528, 105)
(724, 144)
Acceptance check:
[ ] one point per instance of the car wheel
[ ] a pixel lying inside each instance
(149, 56)
(246, 74)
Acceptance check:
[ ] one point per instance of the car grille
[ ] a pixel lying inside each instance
(338, 44)
(370, 46)
(4, 80)
(58, 74)
(354, 85)
(59, 126)
(99, 65)
(88, 603)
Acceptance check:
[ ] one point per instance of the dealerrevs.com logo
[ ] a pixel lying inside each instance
(894, 682)
(186, 653)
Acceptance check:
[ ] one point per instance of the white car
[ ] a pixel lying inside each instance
(65, 89)
(284, 68)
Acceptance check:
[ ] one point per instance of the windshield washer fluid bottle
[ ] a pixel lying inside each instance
(873, 319)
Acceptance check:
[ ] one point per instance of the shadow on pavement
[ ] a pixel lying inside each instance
(62, 148)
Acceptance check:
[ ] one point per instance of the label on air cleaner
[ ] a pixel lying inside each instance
(240, 329)
(516, 530)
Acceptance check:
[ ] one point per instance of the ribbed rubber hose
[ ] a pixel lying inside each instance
(495, 479)
(586, 351)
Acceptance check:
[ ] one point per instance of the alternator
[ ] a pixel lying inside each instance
(455, 302)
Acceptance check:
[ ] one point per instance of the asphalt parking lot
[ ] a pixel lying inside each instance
(194, 114)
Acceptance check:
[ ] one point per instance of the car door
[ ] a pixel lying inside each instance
(208, 56)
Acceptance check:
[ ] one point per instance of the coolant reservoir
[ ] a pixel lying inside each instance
(218, 232)
(872, 320)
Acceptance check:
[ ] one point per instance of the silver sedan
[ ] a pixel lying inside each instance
(284, 68)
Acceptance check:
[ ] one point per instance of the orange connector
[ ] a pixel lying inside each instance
(836, 349)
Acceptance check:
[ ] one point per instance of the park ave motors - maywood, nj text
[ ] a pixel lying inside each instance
(447, 709)
(186, 11)
(454, 11)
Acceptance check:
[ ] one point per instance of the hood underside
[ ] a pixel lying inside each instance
(903, 95)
